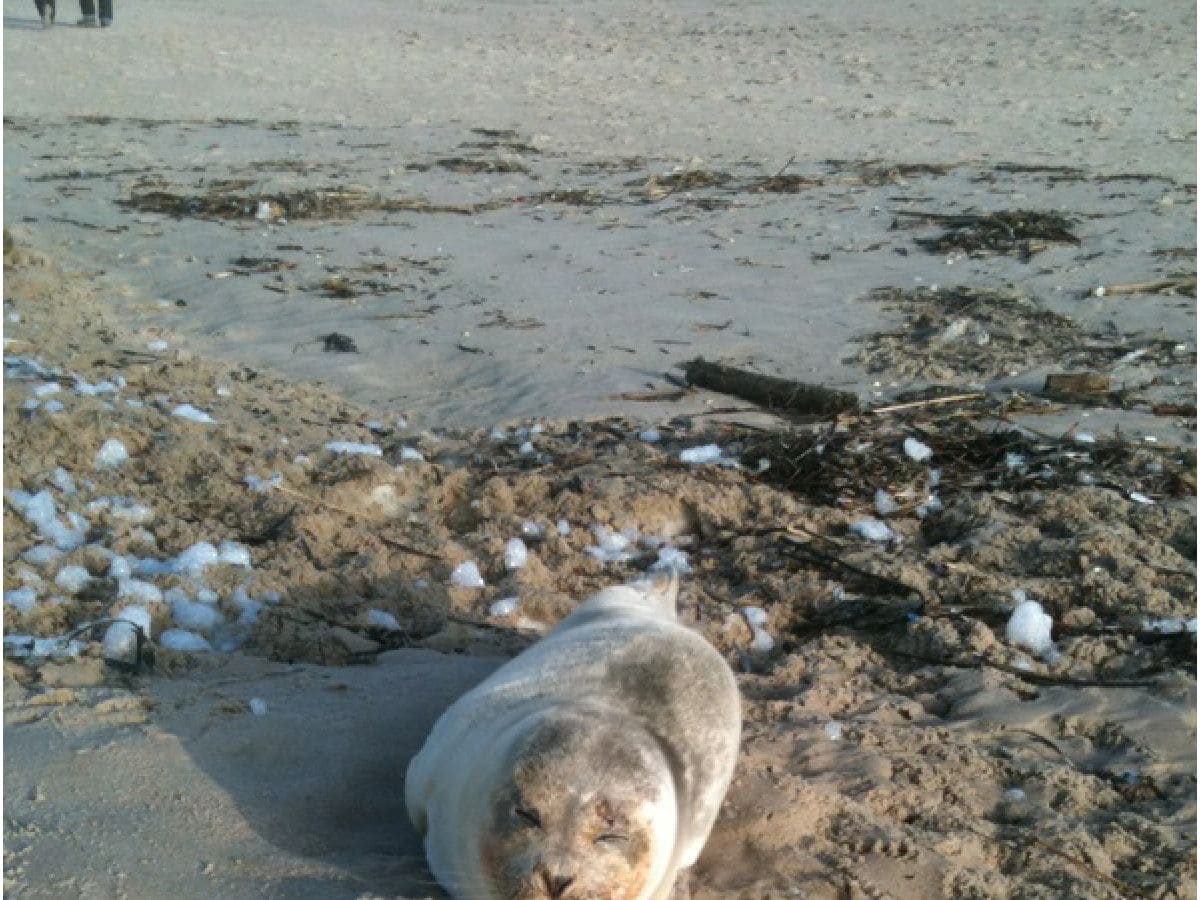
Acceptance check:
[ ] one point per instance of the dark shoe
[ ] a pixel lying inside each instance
(87, 22)
(47, 12)
(104, 23)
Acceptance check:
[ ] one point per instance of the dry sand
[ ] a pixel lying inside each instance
(520, 210)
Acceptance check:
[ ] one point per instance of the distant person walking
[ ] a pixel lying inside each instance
(88, 9)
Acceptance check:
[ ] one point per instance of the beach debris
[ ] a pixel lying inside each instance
(761, 641)
(1030, 626)
(466, 574)
(1184, 283)
(40, 511)
(22, 599)
(504, 607)
(35, 649)
(533, 531)
(884, 504)
(72, 579)
(189, 412)
(1078, 384)
(123, 639)
(262, 485)
(872, 530)
(916, 450)
(515, 554)
(352, 448)
(672, 559)
(336, 342)
(708, 454)
(184, 641)
(111, 454)
(1021, 232)
(612, 546)
(768, 391)
(379, 618)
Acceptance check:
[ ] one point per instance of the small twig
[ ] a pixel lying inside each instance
(786, 165)
(933, 401)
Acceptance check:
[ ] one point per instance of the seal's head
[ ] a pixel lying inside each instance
(588, 811)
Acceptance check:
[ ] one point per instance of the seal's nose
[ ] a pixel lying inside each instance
(556, 885)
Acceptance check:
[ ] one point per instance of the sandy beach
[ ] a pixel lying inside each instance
(364, 291)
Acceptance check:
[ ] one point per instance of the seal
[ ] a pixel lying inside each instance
(592, 765)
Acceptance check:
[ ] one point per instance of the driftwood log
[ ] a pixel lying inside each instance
(767, 391)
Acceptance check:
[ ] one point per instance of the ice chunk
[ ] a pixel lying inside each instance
(62, 480)
(195, 559)
(672, 559)
(249, 607)
(24, 646)
(195, 616)
(53, 406)
(381, 619)
(515, 554)
(258, 706)
(84, 389)
(708, 453)
(41, 554)
(650, 435)
(120, 640)
(1169, 625)
(157, 346)
(207, 595)
(142, 591)
(762, 642)
(466, 574)
(352, 448)
(563, 527)
(1084, 437)
(933, 504)
(112, 453)
(411, 454)
(45, 389)
(1014, 795)
(526, 449)
(1138, 497)
(189, 412)
(21, 599)
(610, 546)
(231, 553)
(119, 567)
(917, 451)
(261, 485)
(532, 531)
(184, 641)
(884, 504)
(1029, 626)
(506, 606)
(872, 530)
(833, 731)
(72, 579)
(756, 616)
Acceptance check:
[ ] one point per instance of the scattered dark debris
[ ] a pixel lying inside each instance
(255, 265)
(1075, 385)
(336, 342)
(579, 197)
(846, 463)
(783, 184)
(877, 173)
(339, 286)
(476, 166)
(957, 332)
(233, 199)
(500, 319)
(1021, 233)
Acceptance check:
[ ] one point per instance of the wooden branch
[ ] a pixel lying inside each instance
(768, 391)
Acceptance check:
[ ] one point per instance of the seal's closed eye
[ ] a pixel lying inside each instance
(528, 816)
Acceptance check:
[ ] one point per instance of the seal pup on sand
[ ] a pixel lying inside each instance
(590, 766)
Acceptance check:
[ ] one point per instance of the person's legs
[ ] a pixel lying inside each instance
(106, 15)
(87, 9)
